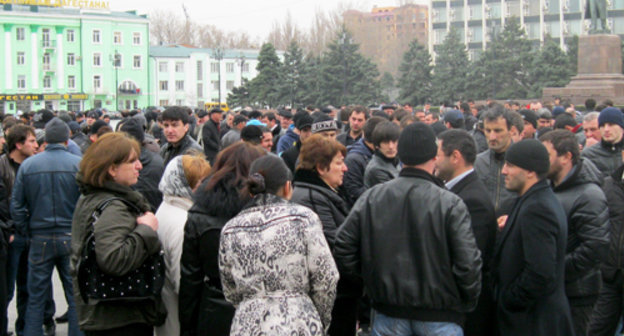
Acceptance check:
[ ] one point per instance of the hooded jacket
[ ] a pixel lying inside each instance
(287, 140)
(149, 176)
(203, 308)
(586, 209)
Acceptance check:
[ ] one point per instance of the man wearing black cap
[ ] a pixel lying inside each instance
(607, 155)
(293, 132)
(211, 136)
(530, 124)
(529, 256)
(304, 125)
(234, 134)
(410, 239)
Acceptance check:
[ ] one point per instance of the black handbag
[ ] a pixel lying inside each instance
(143, 283)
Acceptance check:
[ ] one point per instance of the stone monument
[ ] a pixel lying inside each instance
(599, 73)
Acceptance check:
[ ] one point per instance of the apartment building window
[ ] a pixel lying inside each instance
(71, 82)
(117, 38)
(163, 102)
(200, 90)
(214, 67)
(71, 59)
(229, 85)
(200, 70)
(164, 85)
(246, 67)
(136, 38)
(229, 67)
(97, 82)
(136, 62)
(70, 35)
(118, 60)
(215, 85)
(20, 34)
(21, 82)
(179, 67)
(45, 37)
(96, 36)
(162, 66)
(47, 82)
(46, 61)
(21, 58)
(97, 59)
(179, 85)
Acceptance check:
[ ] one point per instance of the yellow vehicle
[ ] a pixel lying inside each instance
(210, 105)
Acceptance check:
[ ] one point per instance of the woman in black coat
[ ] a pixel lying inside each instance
(318, 181)
(203, 308)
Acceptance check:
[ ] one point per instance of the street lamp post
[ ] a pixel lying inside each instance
(241, 60)
(218, 55)
(116, 63)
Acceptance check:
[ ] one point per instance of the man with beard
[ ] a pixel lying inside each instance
(529, 256)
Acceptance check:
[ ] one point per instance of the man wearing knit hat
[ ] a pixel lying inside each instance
(607, 155)
(411, 241)
(42, 205)
(325, 126)
(529, 256)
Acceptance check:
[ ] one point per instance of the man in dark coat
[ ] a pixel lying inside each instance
(577, 182)
(607, 154)
(456, 155)
(211, 137)
(175, 125)
(529, 256)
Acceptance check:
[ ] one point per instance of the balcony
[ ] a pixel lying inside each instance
(48, 44)
(49, 68)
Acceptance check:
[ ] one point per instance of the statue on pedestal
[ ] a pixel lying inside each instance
(594, 10)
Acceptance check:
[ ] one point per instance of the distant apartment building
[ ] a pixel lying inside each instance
(72, 59)
(477, 20)
(385, 33)
(184, 75)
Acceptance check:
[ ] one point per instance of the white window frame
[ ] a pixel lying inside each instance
(134, 62)
(134, 38)
(162, 65)
(97, 56)
(165, 87)
(96, 36)
(21, 58)
(181, 68)
(71, 82)
(229, 85)
(71, 59)
(20, 32)
(200, 90)
(47, 82)
(71, 35)
(21, 82)
(179, 85)
(229, 67)
(118, 65)
(99, 82)
(117, 35)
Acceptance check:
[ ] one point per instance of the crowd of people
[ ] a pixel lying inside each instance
(493, 219)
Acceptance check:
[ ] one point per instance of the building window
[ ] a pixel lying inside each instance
(71, 82)
(179, 67)
(179, 85)
(215, 85)
(96, 36)
(246, 67)
(179, 102)
(214, 67)
(97, 82)
(21, 58)
(45, 37)
(162, 66)
(73, 105)
(47, 82)
(20, 34)
(200, 90)
(164, 85)
(117, 38)
(229, 67)
(46, 61)
(117, 60)
(97, 59)
(70, 35)
(71, 59)
(136, 38)
(136, 62)
(21, 82)
(229, 85)
(200, 70)
(163, 102)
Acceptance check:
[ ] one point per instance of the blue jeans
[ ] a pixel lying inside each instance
(17, 276)
(389, 326)
(46, 252)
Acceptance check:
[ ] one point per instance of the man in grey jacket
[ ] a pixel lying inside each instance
(607, 154)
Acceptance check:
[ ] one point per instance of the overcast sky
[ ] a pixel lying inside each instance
(256, 17)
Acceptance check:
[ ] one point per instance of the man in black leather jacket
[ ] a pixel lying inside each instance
(576, 183)
(411, 241)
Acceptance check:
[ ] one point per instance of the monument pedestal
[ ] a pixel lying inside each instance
(599, 72)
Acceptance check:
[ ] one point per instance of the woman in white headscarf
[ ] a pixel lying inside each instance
(182, 175)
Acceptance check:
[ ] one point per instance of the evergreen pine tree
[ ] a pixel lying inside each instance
(451, 69)
(551, 68)
(264, 88)
(415, 75)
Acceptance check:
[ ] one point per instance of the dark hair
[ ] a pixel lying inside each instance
(255, 114)
(385, 131)
(267, 174)
(408, 119)
(110, 149)
(18, 134)
(516, 120)
(175, 113)
(381, 114)
(434, 115)
(238, 119)
(563, 141)
(497, 111)
(464, 107)
(399, 114)
(564, 120)
(608, 102)
(590, 105)
(369, 127)
(460, 140)
(457, 123)
(360, 109)
(319, 150)
(270, 116)
(233, 163)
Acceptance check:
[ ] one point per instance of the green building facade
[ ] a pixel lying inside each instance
(72, 59)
